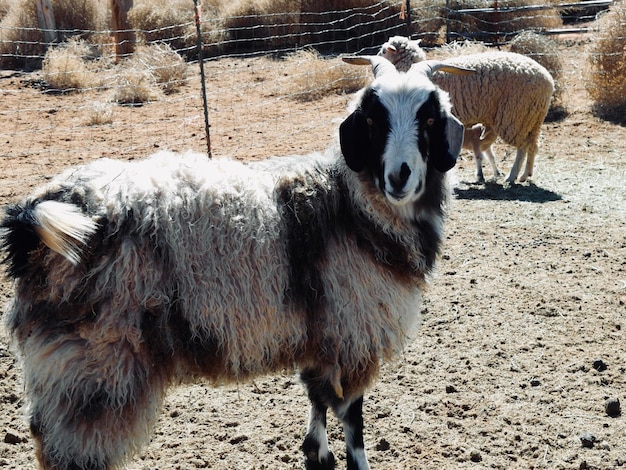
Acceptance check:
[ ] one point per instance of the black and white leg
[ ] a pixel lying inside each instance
(350, 412)
(315, 447)
(317, 454)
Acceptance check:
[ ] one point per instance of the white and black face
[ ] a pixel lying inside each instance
(398, 134)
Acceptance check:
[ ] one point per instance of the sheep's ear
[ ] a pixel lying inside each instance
(354, 140)
(446, 157)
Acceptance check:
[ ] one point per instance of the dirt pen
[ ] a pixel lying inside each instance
(522, 340)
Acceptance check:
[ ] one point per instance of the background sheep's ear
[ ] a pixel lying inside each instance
(445, 159)
(354, 140)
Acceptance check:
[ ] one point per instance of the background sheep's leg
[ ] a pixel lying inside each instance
(530, 162)
(487, 139)
(351, 415)
(315, 447)
(478, 157)
(519, 159)
(492, 161)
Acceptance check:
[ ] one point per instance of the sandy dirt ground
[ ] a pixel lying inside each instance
(527, 302)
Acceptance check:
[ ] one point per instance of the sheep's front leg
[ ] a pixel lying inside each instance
(519, 159)
(530, 162)
(351, 415)
(315, 447)
(492, 161)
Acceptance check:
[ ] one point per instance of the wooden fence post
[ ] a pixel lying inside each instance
(45, 16)
(123, 35)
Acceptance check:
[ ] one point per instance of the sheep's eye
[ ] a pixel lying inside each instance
(430, 121)
(370, 121)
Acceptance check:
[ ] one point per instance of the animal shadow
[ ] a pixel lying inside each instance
(528, 192)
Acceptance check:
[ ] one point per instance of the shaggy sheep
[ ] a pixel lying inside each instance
(132, 276)
(509, 94)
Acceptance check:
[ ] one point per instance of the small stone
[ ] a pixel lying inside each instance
(475, 456)
(600, 365)
(13, 438)
(612, 407)
(383, 445)
(238, 439)
(587, 439)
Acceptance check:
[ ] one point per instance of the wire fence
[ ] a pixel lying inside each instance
(255, 78)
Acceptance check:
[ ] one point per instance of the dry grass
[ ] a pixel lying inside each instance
(21, 41)
(262, 24)
(163, 21)
(86, 16)
(65, 67)
(150, 70)
(134, 86)
(173, 23)
(544, 50)
(4, 8)
(458, 48)
(101, 113)
(327, 25)
(242, 26)
(429, 22)
(606, 83)
(164, 64)
(312, 77)
(500, 25)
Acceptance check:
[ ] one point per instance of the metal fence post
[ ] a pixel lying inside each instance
(408, 19)
(447, 21)
(198, 19)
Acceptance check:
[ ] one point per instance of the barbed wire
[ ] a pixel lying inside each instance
(46, 121)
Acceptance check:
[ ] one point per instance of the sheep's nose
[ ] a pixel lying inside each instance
(398, 180)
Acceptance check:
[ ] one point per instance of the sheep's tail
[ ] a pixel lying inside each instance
(62, 227)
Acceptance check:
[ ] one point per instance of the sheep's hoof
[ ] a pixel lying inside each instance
(312, 458)
(327, 463)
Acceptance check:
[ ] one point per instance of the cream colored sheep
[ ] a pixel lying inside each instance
(509, 95)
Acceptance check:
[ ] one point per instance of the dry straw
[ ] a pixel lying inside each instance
(312, 76)
(166, 66)
(100, 113)
(169, 22)
(65, 67)
(607, 78)
(457, 48)
(500, 25)
(135, 86)
(21, 40)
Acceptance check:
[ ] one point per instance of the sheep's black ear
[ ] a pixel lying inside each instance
(445, 154)
(354, 140)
